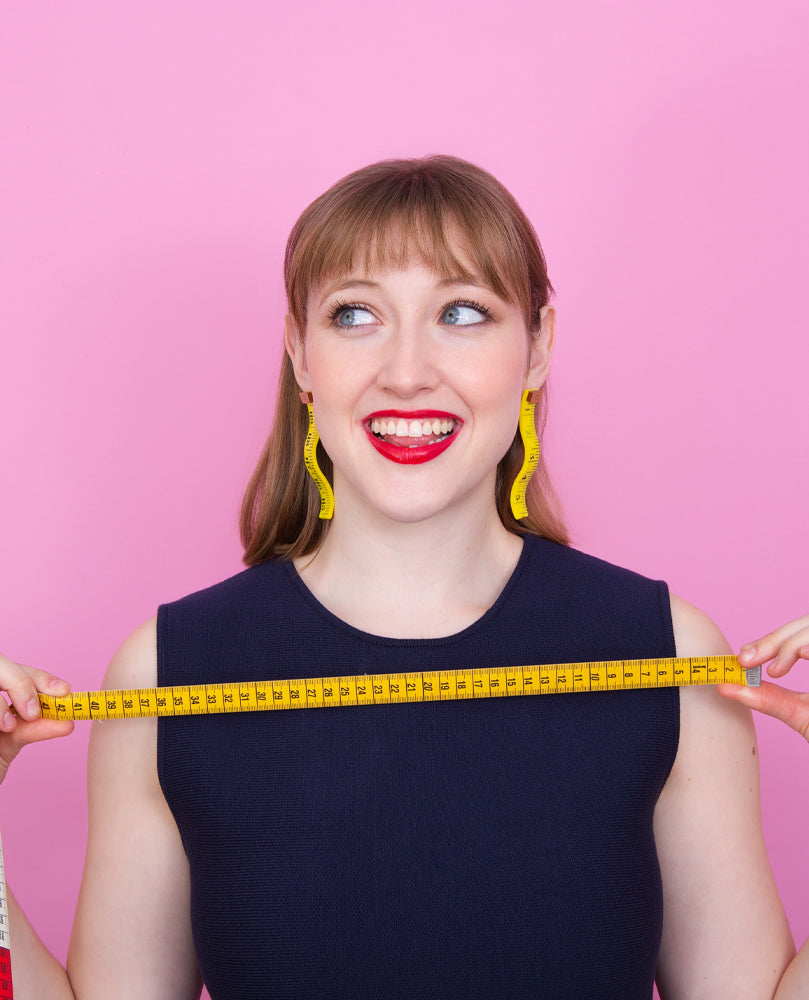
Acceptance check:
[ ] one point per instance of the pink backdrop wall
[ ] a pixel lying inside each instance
(154, 157)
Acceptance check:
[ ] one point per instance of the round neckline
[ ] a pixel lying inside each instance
(340, 625)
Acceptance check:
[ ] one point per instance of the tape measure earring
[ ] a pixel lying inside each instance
(310, 460)
(530, 443)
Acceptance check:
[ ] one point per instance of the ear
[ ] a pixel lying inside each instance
(539, 357)
(296, 349)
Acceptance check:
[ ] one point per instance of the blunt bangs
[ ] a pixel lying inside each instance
(450, 215)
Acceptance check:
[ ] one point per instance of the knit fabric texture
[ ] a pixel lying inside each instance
(499, 848)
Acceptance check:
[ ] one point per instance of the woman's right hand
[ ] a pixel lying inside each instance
(785, 646)
(21, 684)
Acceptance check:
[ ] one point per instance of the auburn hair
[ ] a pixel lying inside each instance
(461, 223)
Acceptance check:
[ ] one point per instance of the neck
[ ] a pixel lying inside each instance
(412, 580)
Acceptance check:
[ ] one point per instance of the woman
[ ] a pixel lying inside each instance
(510, 847)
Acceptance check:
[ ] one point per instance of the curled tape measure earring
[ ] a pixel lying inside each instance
(530, 443)
(310, 460)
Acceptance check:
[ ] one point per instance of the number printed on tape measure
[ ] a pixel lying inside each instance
(387, 689)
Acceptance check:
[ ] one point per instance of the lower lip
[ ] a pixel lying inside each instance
(416, 455)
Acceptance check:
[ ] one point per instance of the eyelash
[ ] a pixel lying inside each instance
(338, 307)
(472, 305)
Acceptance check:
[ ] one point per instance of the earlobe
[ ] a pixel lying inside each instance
(541, 348)
(296, 349)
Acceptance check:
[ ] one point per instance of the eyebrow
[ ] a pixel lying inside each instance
(365, 283)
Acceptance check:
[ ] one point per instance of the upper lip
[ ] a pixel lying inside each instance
(411, 415)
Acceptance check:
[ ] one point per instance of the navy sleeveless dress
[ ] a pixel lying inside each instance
(497, 849)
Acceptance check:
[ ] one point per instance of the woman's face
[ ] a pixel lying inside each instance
(416, 382)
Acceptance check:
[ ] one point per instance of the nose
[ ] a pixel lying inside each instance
(410, 362)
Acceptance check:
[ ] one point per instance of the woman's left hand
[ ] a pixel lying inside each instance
(784, 646)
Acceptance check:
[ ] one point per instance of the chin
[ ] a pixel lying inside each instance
(410, 509)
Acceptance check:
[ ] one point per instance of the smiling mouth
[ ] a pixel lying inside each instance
(412, 439)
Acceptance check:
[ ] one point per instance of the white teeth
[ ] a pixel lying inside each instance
(413, 428)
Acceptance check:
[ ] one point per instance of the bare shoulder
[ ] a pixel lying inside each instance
(694, 632)
(704, 715)
(122, 757)
(135, 663)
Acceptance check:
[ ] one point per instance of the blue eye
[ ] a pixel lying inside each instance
(350, 316)
(462, 315)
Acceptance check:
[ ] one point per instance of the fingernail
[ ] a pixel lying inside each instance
(54, 683)
(32, 707)
(747, 652)
(8, 718)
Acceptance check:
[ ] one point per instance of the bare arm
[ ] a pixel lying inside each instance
(132, 933)
(724, 929)
(131, 936)
(785, 646)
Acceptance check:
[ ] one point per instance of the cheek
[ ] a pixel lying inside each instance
(499, 385)
(334, 365)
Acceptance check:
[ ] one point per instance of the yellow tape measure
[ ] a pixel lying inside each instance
(386, 689)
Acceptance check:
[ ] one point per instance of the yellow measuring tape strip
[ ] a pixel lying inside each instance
(387, 689)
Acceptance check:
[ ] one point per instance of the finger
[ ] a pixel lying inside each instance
(34, 732)
(792, 649)
(784, 644)
(43, 729)
(22, 683)
(791, 707)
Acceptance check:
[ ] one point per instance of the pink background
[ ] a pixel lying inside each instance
(154, 158)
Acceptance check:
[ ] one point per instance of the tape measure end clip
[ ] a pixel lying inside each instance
(752, 677)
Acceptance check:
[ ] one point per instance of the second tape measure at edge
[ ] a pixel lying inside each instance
(386, 689)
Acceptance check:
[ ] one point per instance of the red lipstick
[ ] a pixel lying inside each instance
(421, 450)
